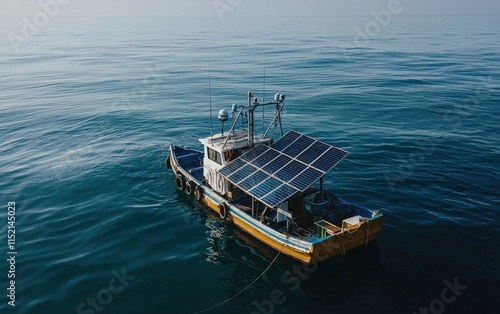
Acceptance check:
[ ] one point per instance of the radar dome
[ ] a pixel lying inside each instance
(223, 115)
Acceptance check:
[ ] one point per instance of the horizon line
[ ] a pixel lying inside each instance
(260, 17)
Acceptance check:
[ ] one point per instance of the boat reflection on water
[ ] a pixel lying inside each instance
(244, 259)
(226, 243)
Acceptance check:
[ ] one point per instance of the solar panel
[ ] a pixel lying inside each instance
(285, 140)
(278, 195)
(273, 174)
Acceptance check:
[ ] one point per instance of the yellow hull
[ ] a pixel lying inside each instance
(343, 242)
(332, 246)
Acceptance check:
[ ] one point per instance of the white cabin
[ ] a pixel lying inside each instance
(221, 149)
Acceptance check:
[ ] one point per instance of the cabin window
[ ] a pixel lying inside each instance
(214, 156)
(232, 154)
(237, 153)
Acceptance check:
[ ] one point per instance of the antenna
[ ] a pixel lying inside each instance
(210, 95)
(264, 95)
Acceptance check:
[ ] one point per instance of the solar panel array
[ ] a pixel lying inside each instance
(272, 174)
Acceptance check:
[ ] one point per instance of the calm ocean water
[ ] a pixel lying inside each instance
(88, 107)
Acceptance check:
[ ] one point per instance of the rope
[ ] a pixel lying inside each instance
(365, 222)
(366, 225)
(342, 247)
(350, 232)
(246, 288)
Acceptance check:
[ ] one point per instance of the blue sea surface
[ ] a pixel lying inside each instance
(88, 108)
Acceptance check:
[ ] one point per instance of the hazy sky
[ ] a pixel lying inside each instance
(245, 8)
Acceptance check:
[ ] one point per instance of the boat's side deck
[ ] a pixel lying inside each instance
(190, 160)
(334, 218)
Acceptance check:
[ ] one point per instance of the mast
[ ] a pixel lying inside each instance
(280, 104)
(279, 101)
(251, 109)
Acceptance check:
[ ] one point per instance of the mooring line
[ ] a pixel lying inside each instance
(246, 288)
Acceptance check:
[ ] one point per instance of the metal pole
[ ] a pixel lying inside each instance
(253, 207)
(250, 120)
(278, 113)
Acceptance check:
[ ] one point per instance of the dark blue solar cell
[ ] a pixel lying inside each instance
(285, 140)
(241, 174)
(272, 201)
(265, 187)
(328, 160)
(300, 145)
(277, 164)
(235, 165)
(265, 158)
(258, 193)
(250, 182)
(285, 191)
(225, 171)
(306, 179)
(279, 195)
(290, 171)
(254, 152)
(313, 152)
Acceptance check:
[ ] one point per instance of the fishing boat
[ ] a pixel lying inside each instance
(273, 189)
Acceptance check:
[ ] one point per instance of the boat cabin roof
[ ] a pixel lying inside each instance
(236, 140)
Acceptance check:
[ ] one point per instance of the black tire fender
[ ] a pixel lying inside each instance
(198, 193)
(190, 187)
(168, 162)
(223, 210)
(180, 182)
